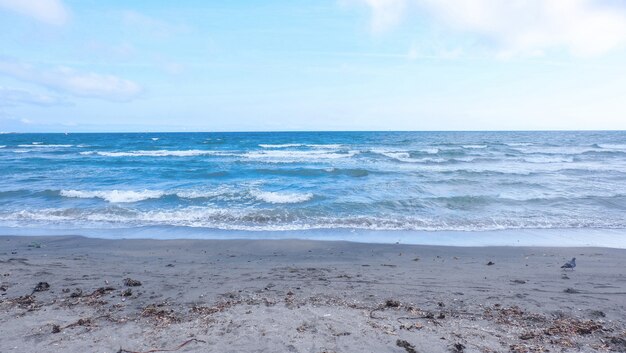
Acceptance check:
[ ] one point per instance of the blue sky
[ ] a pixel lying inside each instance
(312, 65)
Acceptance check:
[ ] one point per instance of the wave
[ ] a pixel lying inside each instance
(612, 146)
(114, 196)
(154, 138)
(287, 156)
(567, 150)
(269, 220)
(311, 172)
(548, 159)
(159, 153)
(519, 144)
(433, 150)
(474, 146)
(3, 146)
(221, 193)
(41, 145)
(285, 145)
(276, 197)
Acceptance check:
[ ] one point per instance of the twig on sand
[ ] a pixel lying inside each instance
(163, 350)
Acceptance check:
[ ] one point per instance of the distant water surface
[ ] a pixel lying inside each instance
(425, 181)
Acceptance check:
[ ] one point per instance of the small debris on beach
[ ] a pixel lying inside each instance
(56, 328)
(390, 303)
(458, 348)
(77, 293)
(127, 293)
(41, 287)
(490, 263)
(35, 245)
(406, 345)
(129, 282)
(571, 291)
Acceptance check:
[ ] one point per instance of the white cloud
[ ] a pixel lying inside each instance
(520, 27)
(47, 11)
(65, 79)
(386, 13)
(14, 96)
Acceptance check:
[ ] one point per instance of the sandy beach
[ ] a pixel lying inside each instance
(75, 294)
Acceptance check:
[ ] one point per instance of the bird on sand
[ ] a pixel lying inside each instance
(570, 264)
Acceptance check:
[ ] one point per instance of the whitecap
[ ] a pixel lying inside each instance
(114, 196)
(325, 146)
(154, 139)
(2, 146)
(612, 146)
(393, 154)
(286, 156)
(276, 197)
(159, 153)
(39, 145)
(433, 150)
(285, 145)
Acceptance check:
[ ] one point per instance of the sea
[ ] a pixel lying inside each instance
(353, 185)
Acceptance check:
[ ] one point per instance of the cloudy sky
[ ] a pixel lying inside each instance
(87, 65)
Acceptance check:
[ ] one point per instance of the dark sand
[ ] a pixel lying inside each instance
(306, 296)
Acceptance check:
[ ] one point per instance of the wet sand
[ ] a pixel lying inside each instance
(74, 294)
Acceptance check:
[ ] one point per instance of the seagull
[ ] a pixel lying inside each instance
(570, 264)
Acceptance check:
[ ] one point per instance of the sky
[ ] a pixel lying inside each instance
(267, 65)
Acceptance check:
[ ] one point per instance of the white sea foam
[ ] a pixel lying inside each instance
(325, 146)
(430, 150)
(159, 153)
(154, 139)
(277, 197)
(114, 196)
(548, 159)
(568, 150)
(2, 146)
(612, 146)
(285, 145)
(404, 156)
(39, 145)
(474, 146)
(286, 156)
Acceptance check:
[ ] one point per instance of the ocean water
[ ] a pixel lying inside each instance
(302, 181)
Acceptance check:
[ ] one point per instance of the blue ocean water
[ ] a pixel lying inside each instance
(424, 181)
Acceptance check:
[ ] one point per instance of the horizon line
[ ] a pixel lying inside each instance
(296, 131)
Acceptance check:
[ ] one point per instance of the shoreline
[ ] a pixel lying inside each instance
(577, 237)
(103, 295)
